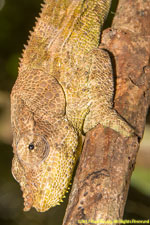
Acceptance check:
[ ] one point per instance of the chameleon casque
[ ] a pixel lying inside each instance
(64, 88)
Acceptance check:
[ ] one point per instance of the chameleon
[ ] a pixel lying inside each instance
(64, 88)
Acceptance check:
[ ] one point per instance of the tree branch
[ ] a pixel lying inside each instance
(103, 175)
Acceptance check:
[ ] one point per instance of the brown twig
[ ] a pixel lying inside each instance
(103, 175)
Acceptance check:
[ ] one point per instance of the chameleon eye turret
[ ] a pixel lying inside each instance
(35, 152)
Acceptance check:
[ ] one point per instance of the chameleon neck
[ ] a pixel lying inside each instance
(72, 25)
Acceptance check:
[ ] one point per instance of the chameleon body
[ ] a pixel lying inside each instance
(64, 88)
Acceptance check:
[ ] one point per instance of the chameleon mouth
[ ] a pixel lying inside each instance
(32, 149)
(28, 202)
(29, 189)
(28, 196)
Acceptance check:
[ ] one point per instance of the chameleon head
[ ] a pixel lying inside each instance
(43, 166)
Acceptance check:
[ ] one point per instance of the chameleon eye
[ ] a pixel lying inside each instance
(31, 146)
(35, 157)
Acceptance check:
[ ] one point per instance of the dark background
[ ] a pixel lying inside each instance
(16, 19)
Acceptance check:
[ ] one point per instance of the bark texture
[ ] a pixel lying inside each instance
(103, 175)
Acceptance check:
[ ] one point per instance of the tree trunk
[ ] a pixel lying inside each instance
(103, 175)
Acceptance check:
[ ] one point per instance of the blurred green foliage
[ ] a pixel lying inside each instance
(16, 19)
(141, 180)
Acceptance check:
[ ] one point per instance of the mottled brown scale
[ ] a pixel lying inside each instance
(64, 88)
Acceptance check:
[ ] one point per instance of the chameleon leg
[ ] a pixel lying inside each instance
(101, 91)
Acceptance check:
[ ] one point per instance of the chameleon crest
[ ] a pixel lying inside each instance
(64, 88)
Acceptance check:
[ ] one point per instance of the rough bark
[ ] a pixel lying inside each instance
(103, 175)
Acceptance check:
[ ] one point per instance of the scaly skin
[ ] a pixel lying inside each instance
(64, 88)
